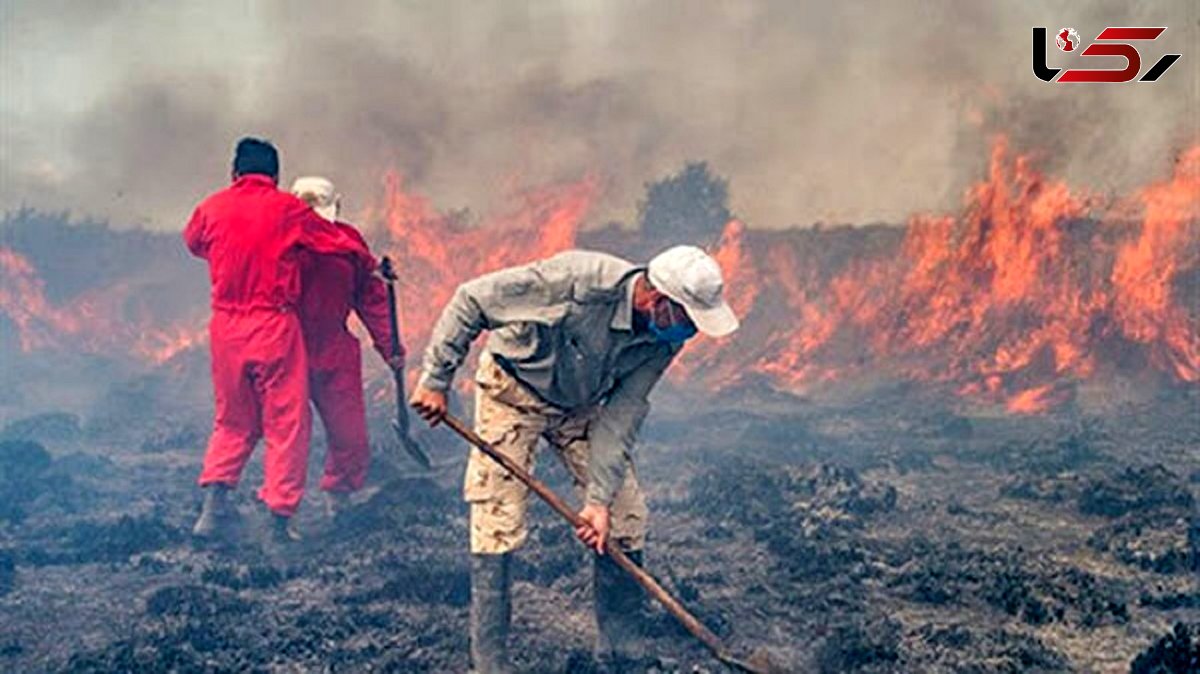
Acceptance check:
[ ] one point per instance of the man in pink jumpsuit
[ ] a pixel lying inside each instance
(253, 236)
(332, 287)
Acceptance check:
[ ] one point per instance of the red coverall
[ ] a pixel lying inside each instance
(252, 235)
(333, 286)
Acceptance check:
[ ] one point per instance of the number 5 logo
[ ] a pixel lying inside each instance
(1133, 60)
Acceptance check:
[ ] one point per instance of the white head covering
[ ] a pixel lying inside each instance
(320, 193)
(692, 278)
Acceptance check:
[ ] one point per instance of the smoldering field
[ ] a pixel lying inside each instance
(885, 534)
(890, 509)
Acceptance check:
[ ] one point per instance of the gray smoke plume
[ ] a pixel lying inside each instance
(854, 112)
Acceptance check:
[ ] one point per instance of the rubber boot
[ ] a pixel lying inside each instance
(620, 612)
(218, 517)
(283, 529)
(491, 613)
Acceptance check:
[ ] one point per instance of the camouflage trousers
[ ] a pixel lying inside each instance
(512, 419)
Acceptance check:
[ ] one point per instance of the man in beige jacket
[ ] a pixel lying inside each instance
(577, 341)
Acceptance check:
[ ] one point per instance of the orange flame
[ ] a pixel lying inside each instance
(95, 322)
(1031, 288)
(23, 301)
(1146, 270)
(434, 252)
(1008, 300)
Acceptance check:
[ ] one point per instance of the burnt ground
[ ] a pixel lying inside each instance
(884, 534)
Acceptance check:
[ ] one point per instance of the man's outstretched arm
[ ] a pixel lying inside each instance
(317, 234)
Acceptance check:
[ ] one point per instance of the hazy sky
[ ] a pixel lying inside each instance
(854, 113)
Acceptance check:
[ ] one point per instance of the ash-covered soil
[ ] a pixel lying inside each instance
(887, 534)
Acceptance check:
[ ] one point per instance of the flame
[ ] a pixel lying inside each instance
(1030, 288)
(23, 301)
(1147, 267)
(1036, 399)
(1009, 300)
(96, 322)
(161, 345)
(434, 252)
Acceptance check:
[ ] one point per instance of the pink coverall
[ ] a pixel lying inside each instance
(333, 286)
(252, 235)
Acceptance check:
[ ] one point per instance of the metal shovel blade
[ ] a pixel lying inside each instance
(411, 446)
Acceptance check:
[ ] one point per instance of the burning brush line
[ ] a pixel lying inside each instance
(106, 320)
(1029, 290)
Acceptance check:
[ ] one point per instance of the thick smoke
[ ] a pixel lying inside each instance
(857, 112)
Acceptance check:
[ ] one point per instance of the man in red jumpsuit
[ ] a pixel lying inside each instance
(252, 234)
(332, 287)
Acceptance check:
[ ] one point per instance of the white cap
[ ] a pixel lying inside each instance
(319, 192)
(692, 278)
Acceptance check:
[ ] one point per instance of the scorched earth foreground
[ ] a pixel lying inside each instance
(966, 444)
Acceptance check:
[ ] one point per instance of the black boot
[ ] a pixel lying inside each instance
(620, 612)
(491, 613)
(218, 517)
(283, 529)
